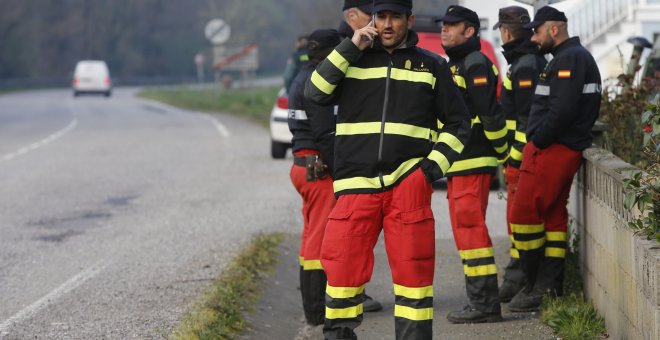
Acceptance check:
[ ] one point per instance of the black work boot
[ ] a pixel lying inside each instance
(529, 300)
(370, 305)
(470, 314)
(514, 281)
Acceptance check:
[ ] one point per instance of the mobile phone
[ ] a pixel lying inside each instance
(373, 24)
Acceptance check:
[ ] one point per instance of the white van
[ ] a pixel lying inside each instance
(92, 76)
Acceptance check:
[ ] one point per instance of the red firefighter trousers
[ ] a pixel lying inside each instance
(318, 200)
(539, 217)
(404, 214)
(468, 200)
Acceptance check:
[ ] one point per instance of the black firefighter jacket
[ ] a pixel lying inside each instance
(525, 65)
(476, 76)
(389, 106)
(567, 99)
(312, 125)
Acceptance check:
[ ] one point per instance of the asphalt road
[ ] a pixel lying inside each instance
(116, 213)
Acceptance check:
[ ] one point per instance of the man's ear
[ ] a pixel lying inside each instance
(470, 31)
(411, 21)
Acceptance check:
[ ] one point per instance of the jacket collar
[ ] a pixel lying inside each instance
(461, 51)
(519, 47)
(570, 42)
(345, 29)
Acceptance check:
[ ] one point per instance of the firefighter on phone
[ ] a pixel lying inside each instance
(565, 108)
(388, 150)
(525, 65)
(470, 177)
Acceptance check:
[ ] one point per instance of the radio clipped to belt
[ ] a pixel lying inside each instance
(315, 168)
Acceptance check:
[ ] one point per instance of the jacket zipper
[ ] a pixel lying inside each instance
(382, 122)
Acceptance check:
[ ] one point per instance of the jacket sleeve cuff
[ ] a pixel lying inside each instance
(431, 170)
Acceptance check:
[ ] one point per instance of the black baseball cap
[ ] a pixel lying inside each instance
(512, 15)
(456, 13)
(322, 39)
(399, 6)
(546, 13)
(365, 6)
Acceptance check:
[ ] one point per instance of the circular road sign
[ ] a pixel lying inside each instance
(217, 31)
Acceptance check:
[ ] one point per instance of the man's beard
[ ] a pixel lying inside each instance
(547, 46)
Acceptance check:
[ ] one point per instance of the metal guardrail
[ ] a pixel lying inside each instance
(593, 18)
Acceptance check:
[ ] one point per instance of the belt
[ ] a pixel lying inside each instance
(300, 161)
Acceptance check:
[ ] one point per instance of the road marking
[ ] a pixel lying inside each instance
(222, 130)
(22, 151)
(51, 297)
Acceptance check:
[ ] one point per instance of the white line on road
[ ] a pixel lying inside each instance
(49, 298)
(222, 130)
(72, 125)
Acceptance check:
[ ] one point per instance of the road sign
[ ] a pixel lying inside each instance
(217, 31)
(237, 59)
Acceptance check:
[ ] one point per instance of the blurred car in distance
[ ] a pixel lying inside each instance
(280, 136)
(92, 77)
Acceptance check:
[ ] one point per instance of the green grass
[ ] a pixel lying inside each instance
(220, 314)
(254, 104)
(571, 316)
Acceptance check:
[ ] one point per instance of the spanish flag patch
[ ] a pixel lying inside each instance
(525, 83)
(480, 81)
(564, 73)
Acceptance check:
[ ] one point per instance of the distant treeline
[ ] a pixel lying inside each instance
(143, 39)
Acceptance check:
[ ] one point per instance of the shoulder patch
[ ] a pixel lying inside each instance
(564, 74)
(481, 80)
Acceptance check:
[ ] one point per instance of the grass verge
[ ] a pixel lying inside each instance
(254, 104)
(571, 316)
(220, 314)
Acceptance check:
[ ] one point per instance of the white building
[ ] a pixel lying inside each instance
(602, 25)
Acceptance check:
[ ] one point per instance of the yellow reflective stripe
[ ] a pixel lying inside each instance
(473, 163)
(321, 83)
(492, 135)
(304, 57)
(487, 269)
(527, 228)
(530, 245)
(556, 236)
(395, 73)
(439, 159)
(521, 137)
(515, 154)
(507, 83)
(365, 182)
(555, 252)
(511, 124)
(412, 76)
(366, 73)
(502, 149)
(413, 313)
(440, 124)
(451, 140)
(343, 313)
(476, 253)
(409, 130)
(345, 129)
(338, 60)
(413, 292)
(343, 292)
(312, 265)
(513, 252)
(460, 81)
(495, 70)
(357, 128)
(301, 260)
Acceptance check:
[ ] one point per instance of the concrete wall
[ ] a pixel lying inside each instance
(621, 271)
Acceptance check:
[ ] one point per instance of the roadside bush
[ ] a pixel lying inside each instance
(643, 188)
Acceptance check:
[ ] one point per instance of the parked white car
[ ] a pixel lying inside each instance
(280, 135)
(92, 76)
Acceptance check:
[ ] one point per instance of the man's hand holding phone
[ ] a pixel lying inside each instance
(365, 36)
